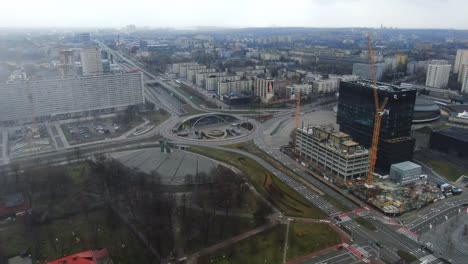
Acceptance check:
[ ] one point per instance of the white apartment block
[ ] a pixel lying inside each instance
(238, 87)
(21, 102)
(326, 86)
(176, 66)
(304, 89)
(212, 81)
(200, 78)
(461, 58)
(438, 75)
(91, 61)
(464, 88)
(344, 78)
(264, 88)
(192, 72)
(334, 151)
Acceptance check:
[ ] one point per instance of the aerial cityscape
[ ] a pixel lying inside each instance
(197, 139)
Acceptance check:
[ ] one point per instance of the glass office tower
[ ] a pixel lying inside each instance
(356, 117)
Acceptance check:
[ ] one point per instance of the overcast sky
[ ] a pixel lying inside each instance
(235, 13)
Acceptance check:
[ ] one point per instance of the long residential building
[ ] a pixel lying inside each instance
(326, 86)
(464, 88)
(192, 72)
(200, 78)
(304, 89)
(235, 87)
(176, 66)
(25, 101)
(213, 80)
(333, 151)
(461, 58)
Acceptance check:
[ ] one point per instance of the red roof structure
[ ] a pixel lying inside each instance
(88, 257)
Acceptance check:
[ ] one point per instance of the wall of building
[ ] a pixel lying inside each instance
(48, 98)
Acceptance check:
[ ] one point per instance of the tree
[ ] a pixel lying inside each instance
(261, 214)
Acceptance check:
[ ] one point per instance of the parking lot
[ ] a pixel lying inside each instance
(92, 130)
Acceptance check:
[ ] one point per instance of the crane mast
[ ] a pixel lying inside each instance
(379, 112)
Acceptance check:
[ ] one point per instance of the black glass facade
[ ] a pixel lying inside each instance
(356, 117)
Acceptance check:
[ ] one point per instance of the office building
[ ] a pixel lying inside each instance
(438, 75)
(66, 98)
(363, 70)
(91, 61)
(84, 37)
(355, 116)
(405, 172)
(464, 88)
(332, 150)
(462, 58)
(235, 87)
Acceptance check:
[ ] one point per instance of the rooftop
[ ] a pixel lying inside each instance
(350, 143)
(454, 132)
(88, 257)
(406, 165)
(380, 85)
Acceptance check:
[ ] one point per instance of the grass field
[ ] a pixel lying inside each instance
(307, 238)
(365, 223)
(445, 170)
(156, 117)
(278, 193)
(265, 247)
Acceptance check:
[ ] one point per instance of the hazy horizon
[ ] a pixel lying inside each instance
(415, 14)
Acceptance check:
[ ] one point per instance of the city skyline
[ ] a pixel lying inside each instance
(238, 14)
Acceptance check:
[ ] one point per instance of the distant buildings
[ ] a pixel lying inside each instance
(333, 150)
(304, 89)
(363, 70)
(461, 58)
(356, 117)
(326, 86)
(438, 73)
(464, 88)
(405, 172)
(91, 61)
(263, 88)
(66, 98)
(235, 87)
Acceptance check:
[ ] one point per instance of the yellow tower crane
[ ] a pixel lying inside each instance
(379, 112)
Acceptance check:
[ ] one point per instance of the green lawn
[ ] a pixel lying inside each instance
(266, 247)
(278, 193)
(445, 169)
(365, 223)
(307, 238)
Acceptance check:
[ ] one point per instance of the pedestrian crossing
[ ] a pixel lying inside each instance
(408, 234)
(428, 259)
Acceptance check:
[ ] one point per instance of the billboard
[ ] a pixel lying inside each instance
(270, 87)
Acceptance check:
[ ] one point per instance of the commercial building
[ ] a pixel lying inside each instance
(464, 88)
(461, 58)
(438, 75)
(326, 86)
(21, 102)
(355, 116)
(451, 140)
(235, 87)
(333, 150)
(304, 89)
(405, 172)
(91, 61)
(363, 70)
(425, 111)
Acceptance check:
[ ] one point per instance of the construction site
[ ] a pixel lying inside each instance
(367, 161)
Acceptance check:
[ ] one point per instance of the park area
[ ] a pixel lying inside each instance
(276, 192)
(267, 246)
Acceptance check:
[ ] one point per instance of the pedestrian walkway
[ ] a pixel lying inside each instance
(407, 233)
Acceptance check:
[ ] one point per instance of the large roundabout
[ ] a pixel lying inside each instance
(211, 129)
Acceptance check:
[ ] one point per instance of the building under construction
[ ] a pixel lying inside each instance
(333, 151)
(356, 115)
